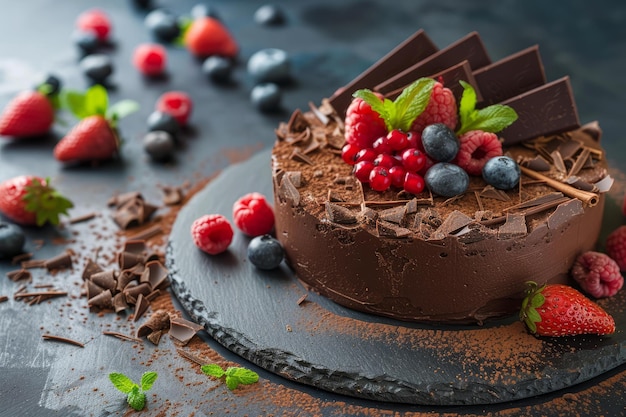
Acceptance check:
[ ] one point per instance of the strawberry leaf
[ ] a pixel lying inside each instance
(120, 110)
(412, 102)
(74, 101)
(122, 382)
(96, 100)
(492, 118)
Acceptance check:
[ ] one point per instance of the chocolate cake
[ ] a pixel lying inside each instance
(423, 257)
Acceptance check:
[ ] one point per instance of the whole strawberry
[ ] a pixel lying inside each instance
(31, 201)
(207, 36)
(95, 137)
(560, 310)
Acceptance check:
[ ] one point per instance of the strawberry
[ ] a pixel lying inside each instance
(30, 200)
(95, 136)
(560, 310)
(30, 113)
(208, 36)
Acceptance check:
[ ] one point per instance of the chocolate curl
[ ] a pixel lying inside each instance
(140, 307)
(90, 268)
(125, 277)
(119, 302)
(93, 290)
(155, 274)
(590, 199)
(159, 320)
(102, 300)
(134, 291)
(105, 279)
(183, 330)
(63, 260)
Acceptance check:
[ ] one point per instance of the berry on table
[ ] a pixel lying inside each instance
(441, 108)
(207, 36)
(163, 25)
(218, 68)
(253, 215)
(12, 240)
(95, 21)
(440, 142)
(30, 113)
(97, 68)
(269, 15)
(266, 97)
(212, 233)
(413, 183)
(616, 246)
(176, 103)
(446, 179)
(159, 145)
(477, 147)
(270, 65)
(379, 178)
(265, 252)
(502, 172)
(150, 59)
(363, 125)
(158, 120)
(597, 274)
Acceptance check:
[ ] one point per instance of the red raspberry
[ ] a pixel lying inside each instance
(150, 59)
(380, 180)
(176, 103)
(253, 215)
(477, 147)
(413, 183)
(624, 206)
(441, 108)
(616, 246)
(597, 274)
(95, 21)
(363, 125)
(212, 233)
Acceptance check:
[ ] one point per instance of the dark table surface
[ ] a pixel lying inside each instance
(329, 43)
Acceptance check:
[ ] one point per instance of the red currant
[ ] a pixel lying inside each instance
(385, 160)
(413, 160)
(413, 183)
(414, 140)
(349, 152)
(362, 171)
(396, 140)
(380, 146)
(397, 174)
(367, 154)
(379, 179)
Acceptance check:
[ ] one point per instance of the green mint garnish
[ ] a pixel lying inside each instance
(493, 118)
(95, 102)
(402, 112)
(135, 394)
(233, 375)
(47, 203)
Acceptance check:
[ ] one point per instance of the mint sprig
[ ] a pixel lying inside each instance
(233, 375)
(135, 393)
(46, 202)
(492, 118)
(402, 112)
(95, 102)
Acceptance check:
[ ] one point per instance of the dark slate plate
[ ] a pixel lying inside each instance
(256, 314)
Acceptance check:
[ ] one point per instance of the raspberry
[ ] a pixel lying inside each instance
(597, 274)
(477, 147)
(253, 215)
(150, 59)
(363, 125)
(176, 103)
(616, 246)
(212, 233)
(95, 21)
(441, 108)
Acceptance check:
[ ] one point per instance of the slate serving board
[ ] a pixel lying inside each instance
(257, 314)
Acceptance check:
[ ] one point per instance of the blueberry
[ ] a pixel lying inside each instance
(269, 65)
(159, 120)
(97, 67)
(203, 10)
(440, 142)
(12, 240)
(501, 172)
(269, 15)
(52, 85)
(265, 252)
(163, 25)
(142, 4)
(266, 97)
(159, 145)
(446, 180)
(86, 41)
(217, 68)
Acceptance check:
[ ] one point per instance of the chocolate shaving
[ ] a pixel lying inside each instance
(569, 148)
(579, 162)
(93, 289)
(302, 299)
(297, 122)
(121, 199)
(155, 337)
(544, 199)
(172, 196)
(581, 185)
(558, 162)
(119, 302)
(494, 193)
(295, 177)
(151, 231)
(334, 197)
(297, 155)
(105, 279)
(312, 146)
(454, 222)
(141, 306)
(61, 261)
(62, 339)
(193, 358)
(183, 330)
(320, 116)
(339, 214)
(19, 275)
(133, 211)
(3, 298)
(385, 228)
(47, 294)
(90, 268)
(121, 336)
(514, 226)
(83, 218)
(288, 191)
(33, 263)
(103, 300)
(154, 274)
(21, 257)
(538, 163)
(159, 320)
(394, 215)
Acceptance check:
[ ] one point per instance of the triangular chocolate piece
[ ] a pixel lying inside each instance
(339, 214)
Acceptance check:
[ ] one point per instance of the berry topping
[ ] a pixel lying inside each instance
(163, 25)
(396, 140)
(30, 113)
(385, 160)
(380, 146)
(158, 120)
(12, 240)
(206, 36)
(477, 147)
(413, 183)
(349, 153)
(560, 310)
(446, 179)
(176, 103)
(266, 97)
(159, 145)
(150, 59)
(269, 15)
(413, 160)
(30, 201)
(253, 215)
(265, 252)
(362, 171)
(366, 154)
(440, 142)
(597, 274)
(363, 126)
(97, 68)
(217, 68)
(441, 109)
(270, 65)
(397, 174)
(379, 178)
(212, 233)
(95, 21)
(502, 172)
(616, 246)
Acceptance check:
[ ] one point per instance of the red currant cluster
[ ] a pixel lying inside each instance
(397, 159)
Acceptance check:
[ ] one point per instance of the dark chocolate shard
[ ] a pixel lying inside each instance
(102, 300)
(544, 199)
(339, 214)
(19, 275)
(183, 330)
(287, 191)
(581, 185)
(295, 177)
(121, 199)
(410, 52)
(105, 279)
(91, 267)
(61, 261)
(514, 226)
(580, 162)
(494, 193)
(134, 291)
(124, 278)
(564, 212)
(593, 130)
(545, 110)
(92, 289)
(510, 76)
(154, 274)
(393, 215)
(158, 320)
(454, 222)
(470, 48)
(389, 229)
(367, 216)
(318, 114)
(155, 337)
(141, 306)
(172, 196)
(569, 148)
(119, 303)
(538, 163)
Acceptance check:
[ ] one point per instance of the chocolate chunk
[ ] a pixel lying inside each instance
(367, 216)
(63, 260)
(159, 320)
(119, 302)
(339, 214)
(124, 278)
(334, 196)
(132, 292)
(569, 148)
(393, 215)
(102, 300)
(297, 122)
(135, 211)
(580, 184)
(183, 330)
(454, 222)
(91, 267)
(19, 275)
(121, 199)
(514, 226)
(106, 280)
(593, 130)
(154, 274)
(172, 195)
(287, 191)
(141, 306)
(391, 230)
(538, 163)
(93, 289)
(544, 199)
(298, 155)
(295, 177)
(155, 337)
(564, 212)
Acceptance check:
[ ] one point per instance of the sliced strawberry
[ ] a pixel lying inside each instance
(90, 140)
(30, 113)
(208, 36)
(30, 200)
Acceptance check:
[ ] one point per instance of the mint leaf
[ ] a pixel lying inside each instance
(122, 382)
(96, 100)
(147, 379)
(121, 109)
(74, 101)
(136, 399)
(213, 370)
(467, 105)
(243, 375)
(492, 118)
(232, 382)
(411, 103)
